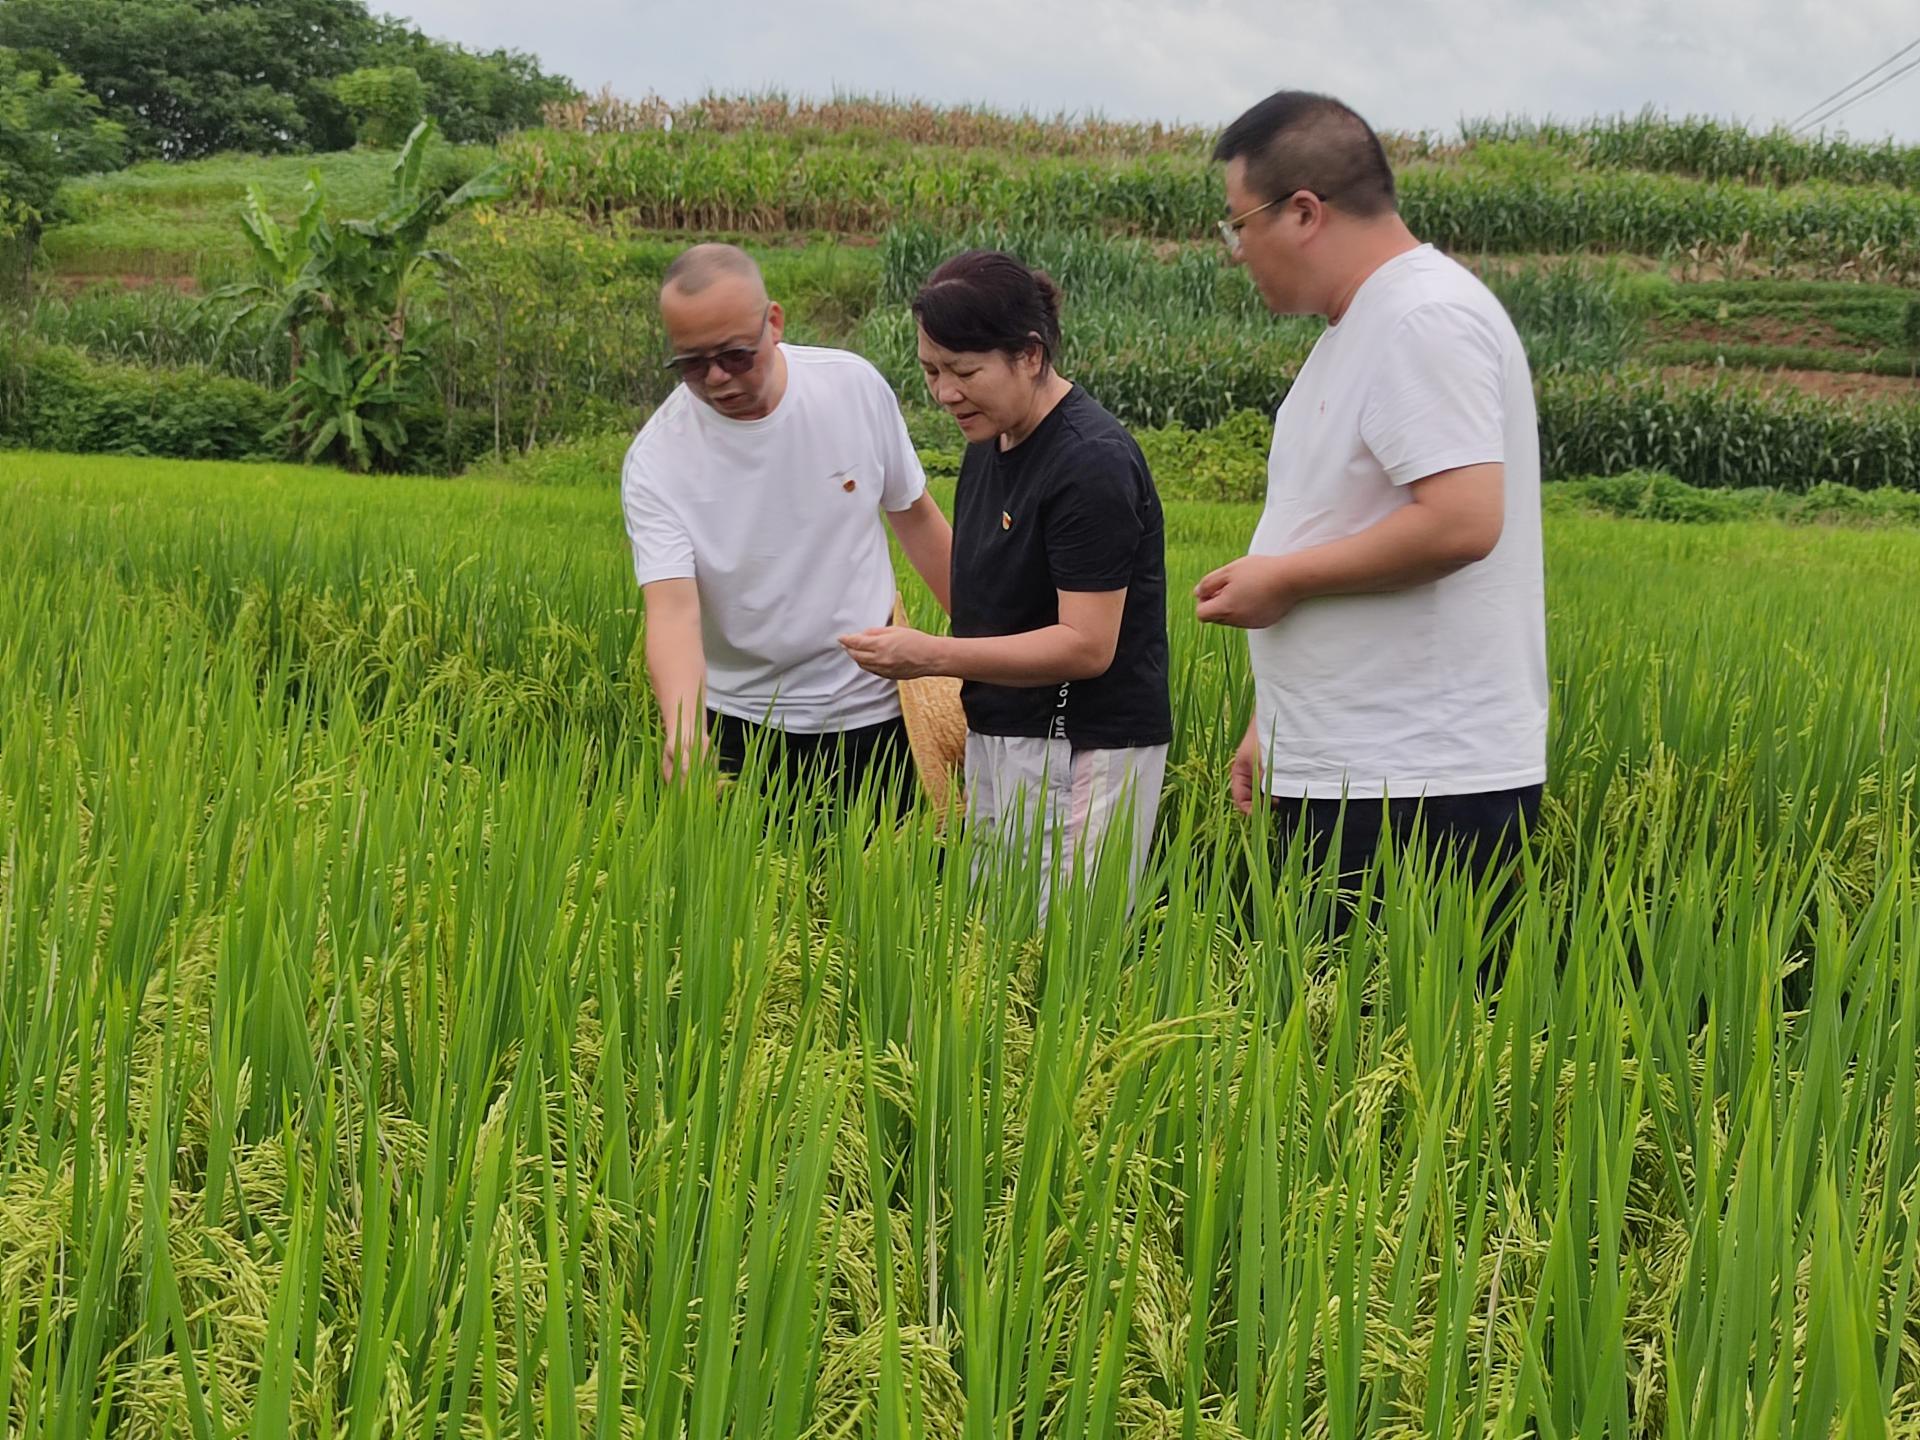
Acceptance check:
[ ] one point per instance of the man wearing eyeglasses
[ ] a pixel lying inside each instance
(753, 500)
(1393, 592)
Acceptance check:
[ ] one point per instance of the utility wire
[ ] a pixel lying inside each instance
(1794, 123)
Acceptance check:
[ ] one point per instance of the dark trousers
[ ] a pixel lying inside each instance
(844, 759)
(1480, 830)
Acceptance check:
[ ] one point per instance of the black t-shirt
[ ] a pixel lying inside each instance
(1072, 507)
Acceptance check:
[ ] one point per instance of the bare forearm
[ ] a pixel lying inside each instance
(927, 541)
(1049, 656)
(678, 674)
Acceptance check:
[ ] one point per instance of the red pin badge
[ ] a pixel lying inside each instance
(1006, 521)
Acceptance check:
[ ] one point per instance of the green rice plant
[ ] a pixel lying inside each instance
(388, 1051)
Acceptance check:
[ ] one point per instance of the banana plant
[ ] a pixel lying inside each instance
(347, 293)
(280, 256)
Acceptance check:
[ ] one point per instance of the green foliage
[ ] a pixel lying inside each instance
(1095, 270)
(475, 97)
(54, 398)
(346, 293)
(386, 103)
(175, 219)
(160, 327)
(1857, 326)
(1467, 210)
(1656, 495)
(281, 256)
(1190, 371)
(1724, 435)
(591, 461)
(551, 329)
(764, 183)
(397, 1054)
(50, 129)
(1708, 148)
(1705, 355)
(191, 78)
(1570, 316)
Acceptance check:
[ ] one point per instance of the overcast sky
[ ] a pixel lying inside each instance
(1403, 65)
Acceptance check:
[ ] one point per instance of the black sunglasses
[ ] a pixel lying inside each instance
(735, 360)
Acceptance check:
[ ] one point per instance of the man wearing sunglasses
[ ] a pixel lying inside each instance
(1393, 594)
(753, 501)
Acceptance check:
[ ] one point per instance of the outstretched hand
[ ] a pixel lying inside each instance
(895, 652)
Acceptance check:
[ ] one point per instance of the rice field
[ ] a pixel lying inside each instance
(386, 1052)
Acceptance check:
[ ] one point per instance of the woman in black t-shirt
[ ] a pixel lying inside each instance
(1059, 575)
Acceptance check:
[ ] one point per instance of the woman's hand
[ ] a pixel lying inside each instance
(896, 652)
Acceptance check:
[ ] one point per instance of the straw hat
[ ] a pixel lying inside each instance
(936, 730)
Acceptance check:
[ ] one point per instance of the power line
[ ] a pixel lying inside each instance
(1794, 123)
(1847, 105)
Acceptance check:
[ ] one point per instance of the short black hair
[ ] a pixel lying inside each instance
(984, 300)
(1296, 140)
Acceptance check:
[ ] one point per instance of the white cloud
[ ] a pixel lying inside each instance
(1405, 65)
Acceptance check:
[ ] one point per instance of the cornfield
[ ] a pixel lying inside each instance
(1711, 149)
(1699, 146)
(387, 1052)
(760, 183)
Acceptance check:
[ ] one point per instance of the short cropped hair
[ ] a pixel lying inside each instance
(694, 269)
(1296, 140)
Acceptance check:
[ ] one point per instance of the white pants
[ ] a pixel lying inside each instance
(1076, 797)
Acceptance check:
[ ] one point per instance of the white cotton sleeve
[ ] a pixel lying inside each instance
(902, 481)
(662, 548)
(1435, 403)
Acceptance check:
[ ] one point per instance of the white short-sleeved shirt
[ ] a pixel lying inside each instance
(778, 520)
(1440, 689)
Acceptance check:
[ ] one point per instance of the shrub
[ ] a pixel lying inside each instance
(54, 398)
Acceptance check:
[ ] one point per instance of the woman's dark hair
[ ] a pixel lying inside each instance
(987, 300)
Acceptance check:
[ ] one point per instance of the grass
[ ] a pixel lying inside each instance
(170, 221)
(387, 1052)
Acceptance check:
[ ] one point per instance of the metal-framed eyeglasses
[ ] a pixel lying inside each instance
(1230, 229)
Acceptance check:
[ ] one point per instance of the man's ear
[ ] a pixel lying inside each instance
(776, 321)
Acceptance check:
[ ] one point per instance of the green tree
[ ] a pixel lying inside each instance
(475, 97)
(50, 128)
(193, 77)
(386, 100)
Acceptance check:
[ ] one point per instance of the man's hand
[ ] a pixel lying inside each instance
(1250, 592)
(1245, 783)
(895, 652)
(686, 748)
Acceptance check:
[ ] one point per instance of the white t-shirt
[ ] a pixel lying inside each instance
(778, 520)
(1440, 689)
